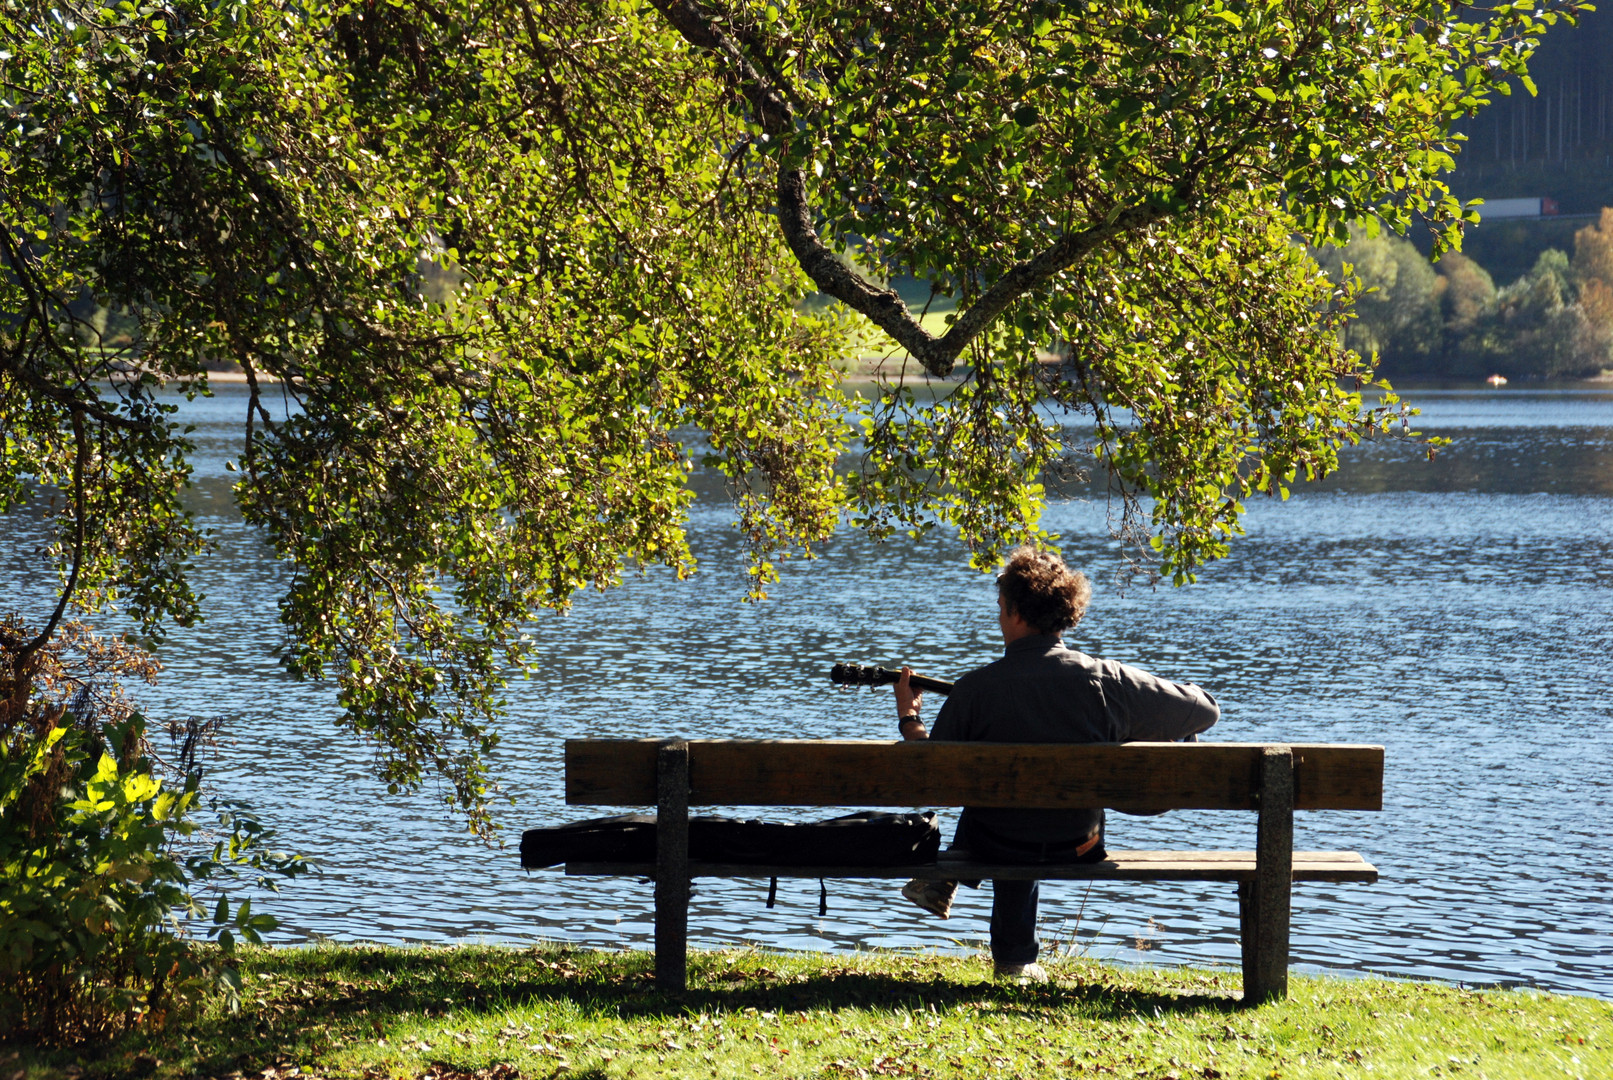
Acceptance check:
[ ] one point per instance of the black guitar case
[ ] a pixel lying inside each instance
(862, 839)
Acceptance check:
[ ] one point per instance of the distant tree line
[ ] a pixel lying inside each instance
(1566, 118)
(1449, 320)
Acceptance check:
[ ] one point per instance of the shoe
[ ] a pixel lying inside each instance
(933, 896)
(1020, 973)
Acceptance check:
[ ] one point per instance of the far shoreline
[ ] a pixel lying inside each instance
(872, 370)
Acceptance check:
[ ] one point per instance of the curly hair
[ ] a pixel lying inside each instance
(1039, 588)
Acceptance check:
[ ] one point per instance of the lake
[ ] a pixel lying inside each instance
(1459, 612)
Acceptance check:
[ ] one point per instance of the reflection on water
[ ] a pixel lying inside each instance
(1459, 612)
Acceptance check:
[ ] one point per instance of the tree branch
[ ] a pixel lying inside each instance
(67, 399)
(81, 460)
(881, 305)
(38, 300)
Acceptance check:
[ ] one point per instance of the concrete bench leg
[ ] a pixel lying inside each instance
(1264, 904)
(1246, 932)
(672, 867)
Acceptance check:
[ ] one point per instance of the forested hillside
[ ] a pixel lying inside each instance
(1558, 142)
(1450, 319)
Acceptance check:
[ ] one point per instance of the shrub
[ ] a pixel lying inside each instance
(110, 890)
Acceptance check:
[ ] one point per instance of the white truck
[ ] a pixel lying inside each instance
(1537, 207)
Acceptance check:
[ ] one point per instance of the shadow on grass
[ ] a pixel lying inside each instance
(300, 1003)
(621, 984)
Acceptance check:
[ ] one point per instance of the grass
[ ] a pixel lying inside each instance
(498, 1013)
(874, 350)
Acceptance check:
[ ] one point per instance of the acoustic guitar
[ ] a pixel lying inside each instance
(863, 675)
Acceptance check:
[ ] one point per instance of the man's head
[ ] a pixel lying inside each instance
(1038, 590)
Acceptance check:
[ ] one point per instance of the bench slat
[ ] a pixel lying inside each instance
(1332, 866)
(1128, 776)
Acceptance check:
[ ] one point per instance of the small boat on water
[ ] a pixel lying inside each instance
(1497, 380)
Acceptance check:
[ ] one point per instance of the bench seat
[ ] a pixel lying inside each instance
(1334, 866)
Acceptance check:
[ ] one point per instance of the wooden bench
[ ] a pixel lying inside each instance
(1274, 780)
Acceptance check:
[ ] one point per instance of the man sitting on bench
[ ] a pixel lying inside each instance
(1042, 692)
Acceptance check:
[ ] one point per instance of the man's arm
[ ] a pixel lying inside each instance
(1157, 710)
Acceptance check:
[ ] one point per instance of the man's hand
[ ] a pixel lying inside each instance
(908, 700)
(907, 704)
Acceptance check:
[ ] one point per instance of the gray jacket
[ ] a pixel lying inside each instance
(1042, 692)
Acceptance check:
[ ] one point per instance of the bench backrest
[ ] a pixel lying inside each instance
(824, 772)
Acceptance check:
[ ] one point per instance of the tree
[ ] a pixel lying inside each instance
(1596, 345)
(259, 185)
(1593, 249)
(1073, 174)
(1540, 327)
(1593, 265)
(1397, 315)
(1467, 291)
(631, 203)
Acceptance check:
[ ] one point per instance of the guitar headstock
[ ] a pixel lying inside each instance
(862, 675)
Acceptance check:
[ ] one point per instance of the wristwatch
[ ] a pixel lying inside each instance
(900, 720)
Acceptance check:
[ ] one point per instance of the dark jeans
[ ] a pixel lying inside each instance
(1014, 902)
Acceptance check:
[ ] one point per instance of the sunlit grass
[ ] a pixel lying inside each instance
(872, 351)
(405, 1012)
(872, 345)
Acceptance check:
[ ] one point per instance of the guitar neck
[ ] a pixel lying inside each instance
(864, 675)
(924, 682)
